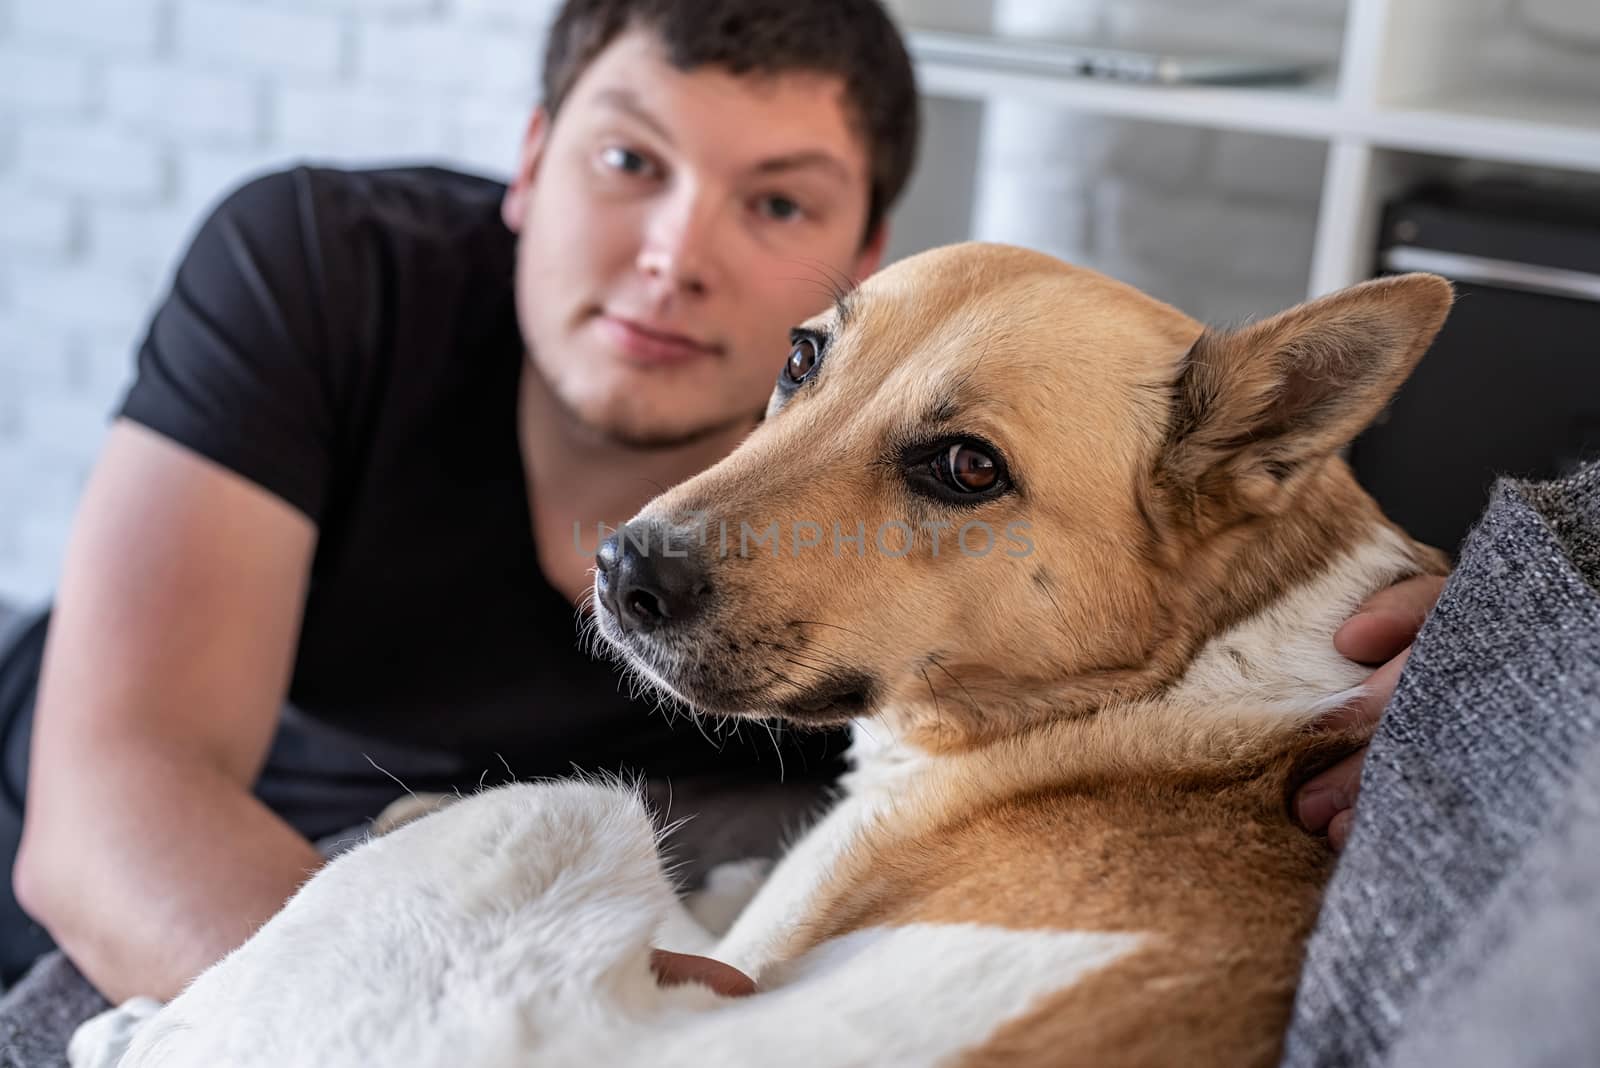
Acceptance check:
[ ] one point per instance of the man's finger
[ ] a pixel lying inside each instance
(1334, 791)
(1389, 620)
(1378, 688)
(1339, 828)
(673, 969)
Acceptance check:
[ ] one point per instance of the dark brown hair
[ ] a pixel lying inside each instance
(852, 39)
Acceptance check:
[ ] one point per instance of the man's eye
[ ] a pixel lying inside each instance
(780, 208)
(625, 160)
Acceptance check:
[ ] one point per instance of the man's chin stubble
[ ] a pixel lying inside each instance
(609, 430)
(653, 439)
(664, 440)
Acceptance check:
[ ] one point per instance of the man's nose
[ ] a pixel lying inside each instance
(649, 580)
(677, 247)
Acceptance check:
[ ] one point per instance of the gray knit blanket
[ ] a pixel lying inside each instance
(1462, 926)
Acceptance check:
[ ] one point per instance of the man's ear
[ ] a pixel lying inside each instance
(871, 254)
(1254, 407)
(514, 206)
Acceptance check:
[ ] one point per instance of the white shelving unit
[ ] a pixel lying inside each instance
(1415, 91)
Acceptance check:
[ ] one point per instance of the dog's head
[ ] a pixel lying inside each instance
(992, 487)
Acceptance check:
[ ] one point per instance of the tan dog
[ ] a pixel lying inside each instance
(1094, 725)
(1071, 564)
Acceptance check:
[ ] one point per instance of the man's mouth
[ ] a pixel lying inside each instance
(652, 344)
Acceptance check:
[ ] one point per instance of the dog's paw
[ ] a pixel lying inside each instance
(408, 808)
(728, 889)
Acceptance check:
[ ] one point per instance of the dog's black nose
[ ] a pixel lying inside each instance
(648, 579)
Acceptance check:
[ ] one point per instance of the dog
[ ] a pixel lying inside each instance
(1069, 563)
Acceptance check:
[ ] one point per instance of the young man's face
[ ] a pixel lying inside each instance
(674, 226)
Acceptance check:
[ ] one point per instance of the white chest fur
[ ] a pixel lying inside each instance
(883, 774)
(1281, 662)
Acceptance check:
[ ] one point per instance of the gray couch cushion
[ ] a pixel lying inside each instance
(1459, 928)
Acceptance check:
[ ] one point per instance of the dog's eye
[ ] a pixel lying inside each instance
(960, 471)
(802, 360)
(966, 469)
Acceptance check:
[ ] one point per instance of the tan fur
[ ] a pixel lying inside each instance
(1098, 825)
(1176, 483)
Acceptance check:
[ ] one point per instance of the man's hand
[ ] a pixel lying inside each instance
(1380, 633)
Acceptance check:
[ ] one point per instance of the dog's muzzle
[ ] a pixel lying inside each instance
(649, 578)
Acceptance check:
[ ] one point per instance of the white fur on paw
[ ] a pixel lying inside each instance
(728, 889)
(100, 1041)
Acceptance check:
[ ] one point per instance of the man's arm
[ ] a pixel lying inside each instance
(1381, 633)
(143, 852)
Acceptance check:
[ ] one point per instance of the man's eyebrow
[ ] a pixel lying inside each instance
(815, 159)
(627, 102)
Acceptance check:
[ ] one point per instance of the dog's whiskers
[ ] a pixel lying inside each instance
(835, 282)
(971, 701)
(391, 775)
(820, 623)
(810, 652)
(938, 712)
(775, 733)
(1060, 612)
(826, 290)
(798, 659)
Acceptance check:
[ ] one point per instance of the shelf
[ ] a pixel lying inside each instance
(1504, 127)
(1421, 91)
(1303, 110)
(1508, 125)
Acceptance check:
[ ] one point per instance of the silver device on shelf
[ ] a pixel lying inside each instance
(1070, 59)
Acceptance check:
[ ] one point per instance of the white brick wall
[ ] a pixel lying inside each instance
(234, 36)
(90, 158)
(91, 27)
(37, 82)
(34, 225)
(152, 99)
(458, 57)
(350, 123)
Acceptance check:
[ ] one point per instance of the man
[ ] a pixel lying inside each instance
(366, 424)
(341, 479)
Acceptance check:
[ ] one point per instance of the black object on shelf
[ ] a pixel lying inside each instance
(1512, 385)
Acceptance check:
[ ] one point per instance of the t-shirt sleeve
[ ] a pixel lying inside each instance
(237, 364)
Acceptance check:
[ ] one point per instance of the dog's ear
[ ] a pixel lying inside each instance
(1254, 407)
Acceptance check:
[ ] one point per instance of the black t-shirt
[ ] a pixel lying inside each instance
(347, 340)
